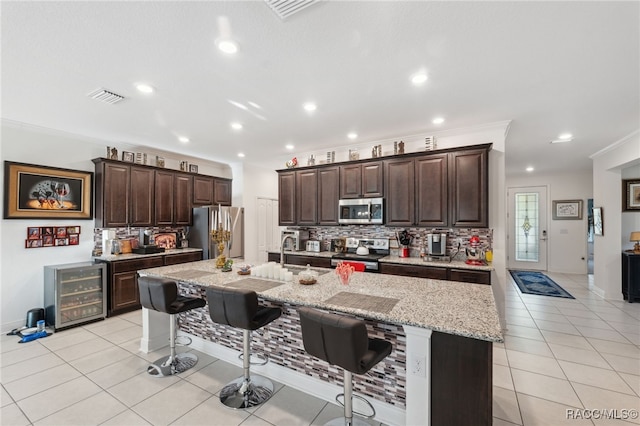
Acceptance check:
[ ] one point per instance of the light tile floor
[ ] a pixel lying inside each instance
(558, 354)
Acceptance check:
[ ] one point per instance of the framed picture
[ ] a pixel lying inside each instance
(48, 230)
(33, 243)
(567, 210)
(159, 161)
(141, 158)
(193, 168)
(33, 233)
(41, 192)
(129, 157)
(598, 223)
(73, 230)
(61, 232)
(74, 239)
(630, 195)
(61, 242)
(47, 241)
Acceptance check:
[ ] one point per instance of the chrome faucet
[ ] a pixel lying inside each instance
(282, 248)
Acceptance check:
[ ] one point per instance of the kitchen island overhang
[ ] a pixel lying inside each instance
(403, 310)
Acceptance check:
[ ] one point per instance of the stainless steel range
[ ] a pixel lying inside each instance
(375, 249)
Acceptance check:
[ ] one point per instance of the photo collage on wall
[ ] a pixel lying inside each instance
(52, 236)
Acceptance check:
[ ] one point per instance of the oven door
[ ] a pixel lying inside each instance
(361, 211)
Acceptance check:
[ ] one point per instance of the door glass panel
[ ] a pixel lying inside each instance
(527, 227)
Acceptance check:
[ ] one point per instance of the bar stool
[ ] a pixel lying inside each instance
(161, 295)
(239, 308)
(344, 342)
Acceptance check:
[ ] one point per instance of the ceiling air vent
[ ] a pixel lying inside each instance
(286, 8)
(105, 96)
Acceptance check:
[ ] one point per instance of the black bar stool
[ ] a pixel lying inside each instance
(344, 342)
(161, 295)
(239, 308)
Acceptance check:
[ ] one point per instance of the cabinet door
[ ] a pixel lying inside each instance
(399, 190)
(328, 179)
(307, 197)
(183, 194)
(202, 190)
(351, 181)
(164, 199)
(431, 191)
(124, 291)
(469, 186)
(142, 196)
(116, 195)
(372, 179)
(287, 198)
(222, 192)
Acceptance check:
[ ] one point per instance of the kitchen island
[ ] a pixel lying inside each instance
(441, 331)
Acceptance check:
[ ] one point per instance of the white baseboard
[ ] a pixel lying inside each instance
(385, 413)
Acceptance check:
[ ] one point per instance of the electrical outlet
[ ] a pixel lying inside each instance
(418, 367)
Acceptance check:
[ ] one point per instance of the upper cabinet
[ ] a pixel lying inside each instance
(138, 195)
(361, 180)
(444, 188)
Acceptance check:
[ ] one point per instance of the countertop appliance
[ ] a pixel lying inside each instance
(437, 244)
(377, 247)
(298, 240)
(364, 211)
(200, 232)
(314, 246)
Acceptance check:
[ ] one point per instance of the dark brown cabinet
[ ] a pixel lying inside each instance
(437, 273)
(164, 197)
(287, 198)
(295, 259)
(432, 196)
(630, 276)
(142, 197)
(183, 193)
(469, 188)
(173, 194)
(328, 186)
(113, 184)
(307, 197)
(202, 190)
(362, 180)
(222, 191)
(399, 186)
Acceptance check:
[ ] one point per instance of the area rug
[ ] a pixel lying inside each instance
(531, 282)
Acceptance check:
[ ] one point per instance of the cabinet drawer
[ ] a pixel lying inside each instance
(467, 276)
(136, 264)
(414, 271)
(174, 259)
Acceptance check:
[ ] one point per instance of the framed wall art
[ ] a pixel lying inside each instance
(598, 223)
(128, 157)
(41, 192)
(567, 210)
(631, 195)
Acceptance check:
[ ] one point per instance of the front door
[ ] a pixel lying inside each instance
(527, 228)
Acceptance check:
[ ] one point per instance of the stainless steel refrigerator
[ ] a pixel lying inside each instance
(203, 222)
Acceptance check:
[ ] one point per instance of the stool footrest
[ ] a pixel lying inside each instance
(263, 358)
(368, 416)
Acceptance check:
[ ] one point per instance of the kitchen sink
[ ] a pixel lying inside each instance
(297, 269)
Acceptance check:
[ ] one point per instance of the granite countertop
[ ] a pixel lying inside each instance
(462, 309)
(131, 256)
(459, 264)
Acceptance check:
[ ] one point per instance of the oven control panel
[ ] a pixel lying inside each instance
(371, 243)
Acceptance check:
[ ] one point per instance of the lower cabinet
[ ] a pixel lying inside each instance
(122, 279)
(437, 273)
(294, 259)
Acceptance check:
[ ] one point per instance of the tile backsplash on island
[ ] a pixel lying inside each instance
(326, 233)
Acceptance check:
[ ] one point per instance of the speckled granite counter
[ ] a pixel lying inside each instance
(462, 309)
(459, 264)
(130, 256)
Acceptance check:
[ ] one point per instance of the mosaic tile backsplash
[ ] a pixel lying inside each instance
(129, 233)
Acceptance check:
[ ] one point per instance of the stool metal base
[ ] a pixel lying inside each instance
(241, 393)
(342, 421)
(167, 366)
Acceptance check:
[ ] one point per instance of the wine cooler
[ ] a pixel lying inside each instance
(74, 293)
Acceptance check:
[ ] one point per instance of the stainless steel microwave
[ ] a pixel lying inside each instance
(364, 211)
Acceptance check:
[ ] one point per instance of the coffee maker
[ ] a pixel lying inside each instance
(437, 244)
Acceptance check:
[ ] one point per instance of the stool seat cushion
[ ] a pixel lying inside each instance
(341, 341)
(161, 295)
(239, 308)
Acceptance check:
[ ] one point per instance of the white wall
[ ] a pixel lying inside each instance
(608, 165)
(21, 270)
(567, 242)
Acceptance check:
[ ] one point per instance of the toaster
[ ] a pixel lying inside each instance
(313, 246)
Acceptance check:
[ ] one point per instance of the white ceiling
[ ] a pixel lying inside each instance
(550, 67)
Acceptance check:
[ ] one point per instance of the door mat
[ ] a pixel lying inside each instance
(365, 302)
(254, 284)
(189, 274)
(531, 282)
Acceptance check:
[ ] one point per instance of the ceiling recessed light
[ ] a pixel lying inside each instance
(352, 135)
(419, 78)
(183, 139)
(289, 147)
(236, 126)
(529, 169)
(228, 46)
(144, 88)
(241, 154)
(438, 120)
(310, 106)
(565, 136)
